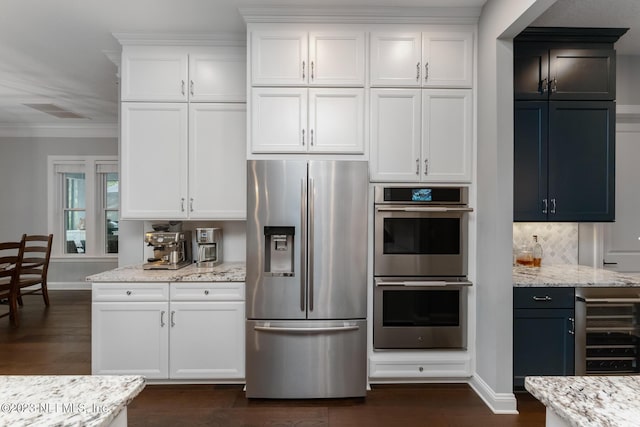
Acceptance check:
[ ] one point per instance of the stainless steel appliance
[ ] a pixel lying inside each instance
(171, 250)
(207, 247)
(607, 331)
(420, 267)
(306, 333)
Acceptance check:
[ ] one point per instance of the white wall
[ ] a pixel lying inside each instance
(499, 22)
(23, 192)
(627, 87)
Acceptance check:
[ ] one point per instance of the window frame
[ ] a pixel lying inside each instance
(95, 206)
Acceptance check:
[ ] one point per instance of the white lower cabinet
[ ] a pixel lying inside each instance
(183, 331)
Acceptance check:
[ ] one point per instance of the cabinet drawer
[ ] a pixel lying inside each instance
(543, 297)
(209, 291)
(141, 291)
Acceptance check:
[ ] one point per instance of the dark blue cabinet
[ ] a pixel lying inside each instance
(543, 333)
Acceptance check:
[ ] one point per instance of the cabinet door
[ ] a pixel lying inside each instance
(279, 120)
(543, 343)
(582, 161)
(207, 340)
(130, 338)
(530, 72)
(153, 154)
(396, 59)
(582, 74)
(218, 77)
(530, 201)
(336, 58)
(395, 134)
(279, 58)
(336, 120)
(447, 135)
(154, 74)
(217, 161)
(447, 59)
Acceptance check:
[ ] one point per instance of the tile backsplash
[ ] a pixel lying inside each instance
(559, 240)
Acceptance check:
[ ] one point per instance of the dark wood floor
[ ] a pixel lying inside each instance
(57, 341)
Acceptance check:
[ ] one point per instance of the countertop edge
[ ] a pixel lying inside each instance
(225, 272)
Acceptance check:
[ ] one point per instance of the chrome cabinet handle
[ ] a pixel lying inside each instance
(554, 85)
(311, 138)
(544, 298)
(182, 87)
(191, 87)
(173, 320)
(418, 72)
(191, 204)
(553, 206)
(303, 137)
(312, 67)
(426, 166)
(162, 319)
(303, 73)
(426, 71)
(182, 204)
(418, 167)
(128, 292)
(544, 86)
(545, 206)
(572, 331)
(206, 292)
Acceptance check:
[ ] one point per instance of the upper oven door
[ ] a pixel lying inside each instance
(420, 241)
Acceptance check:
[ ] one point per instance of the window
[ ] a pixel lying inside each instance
(84, 200)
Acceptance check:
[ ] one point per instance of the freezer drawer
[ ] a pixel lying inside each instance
(306, 359)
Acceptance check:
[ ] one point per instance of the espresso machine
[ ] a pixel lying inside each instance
(171, 250)
(207, 247)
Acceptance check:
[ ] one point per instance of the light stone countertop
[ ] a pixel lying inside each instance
(592, 401)
(65, 400)
(225, 272)
(569, 275)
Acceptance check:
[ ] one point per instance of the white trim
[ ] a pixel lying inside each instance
(362, 15)
(45, 130)
(499, 403)
(164, 39)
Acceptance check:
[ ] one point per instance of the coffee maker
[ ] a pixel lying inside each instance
(171, 249)
(207, 247)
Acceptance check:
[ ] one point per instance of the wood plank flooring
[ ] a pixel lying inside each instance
(57, 341)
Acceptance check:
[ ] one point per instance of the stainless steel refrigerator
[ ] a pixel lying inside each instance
(306, 330)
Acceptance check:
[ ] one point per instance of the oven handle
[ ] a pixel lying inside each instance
(417, 283)
(423, 209)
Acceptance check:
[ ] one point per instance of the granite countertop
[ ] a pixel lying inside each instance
(225, 272)
(593, 401)
(67, 400)
(570, 275)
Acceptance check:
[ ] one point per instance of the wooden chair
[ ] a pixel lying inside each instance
(10, 258)
(35, 265)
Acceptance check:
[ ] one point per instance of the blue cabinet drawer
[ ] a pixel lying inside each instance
(543, 297)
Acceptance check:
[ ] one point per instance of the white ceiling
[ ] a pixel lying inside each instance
(55, 51)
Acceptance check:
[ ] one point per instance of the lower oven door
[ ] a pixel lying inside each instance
(420, 241)
(414, 313)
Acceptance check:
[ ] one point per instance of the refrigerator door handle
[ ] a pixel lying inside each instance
(303, 240)
(311, 247)
(344, 328)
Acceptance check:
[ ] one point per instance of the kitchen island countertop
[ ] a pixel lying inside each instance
(570, 275)
(66, 400)
(591, 401)
(225, 272)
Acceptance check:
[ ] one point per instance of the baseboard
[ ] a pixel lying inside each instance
(68, 286)
(499, 403)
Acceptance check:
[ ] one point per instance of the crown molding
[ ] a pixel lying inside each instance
(165, 39)
(44, 130)
(362, 15)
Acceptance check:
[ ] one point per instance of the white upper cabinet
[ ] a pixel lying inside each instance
(299, 58)
(421, 135)
(173, 74)
(427, 59)
(300, 120)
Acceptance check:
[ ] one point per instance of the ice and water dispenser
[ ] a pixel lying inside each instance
(279, 251)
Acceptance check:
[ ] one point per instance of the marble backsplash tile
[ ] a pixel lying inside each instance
(559, 240)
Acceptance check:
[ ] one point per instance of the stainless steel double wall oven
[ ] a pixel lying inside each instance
(420, 267)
